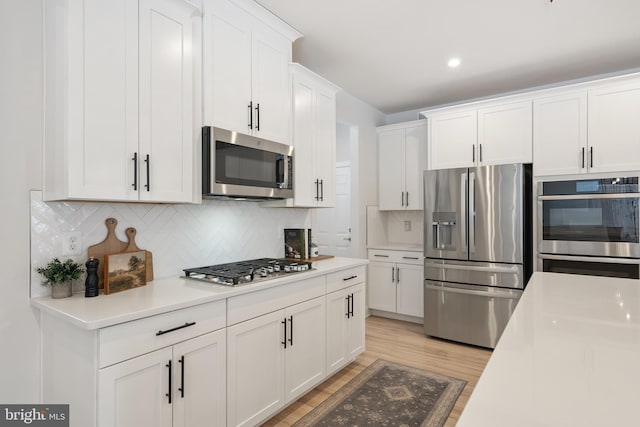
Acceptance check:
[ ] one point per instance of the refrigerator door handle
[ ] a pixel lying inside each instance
(472, 211)
(498, 294)
(501, 269)
(463, 210)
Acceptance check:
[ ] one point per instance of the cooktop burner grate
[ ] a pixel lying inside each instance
(236, 273)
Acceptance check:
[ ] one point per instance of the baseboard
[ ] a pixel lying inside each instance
(396, 316)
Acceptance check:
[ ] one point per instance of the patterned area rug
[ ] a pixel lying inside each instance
(389, 394)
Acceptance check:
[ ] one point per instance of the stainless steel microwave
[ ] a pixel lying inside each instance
(235, 165)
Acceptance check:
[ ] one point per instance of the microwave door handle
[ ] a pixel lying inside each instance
(472, 212)
(463, 210)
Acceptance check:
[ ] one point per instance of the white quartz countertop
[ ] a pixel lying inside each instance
(569, 356)
(162, 295)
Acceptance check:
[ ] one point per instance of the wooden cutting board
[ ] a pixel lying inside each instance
(110, 245)
(132, 247)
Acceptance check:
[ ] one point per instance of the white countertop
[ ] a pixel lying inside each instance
(569, 356)
(162, 295)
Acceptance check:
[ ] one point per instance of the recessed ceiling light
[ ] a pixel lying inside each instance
(453, 62)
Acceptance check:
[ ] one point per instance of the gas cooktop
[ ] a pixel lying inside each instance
(241, 272)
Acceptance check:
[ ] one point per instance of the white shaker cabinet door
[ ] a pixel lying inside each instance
(306, 189)
(560, 134)
(227, 66)
(325, 133)
(382, 286)
(410, 285)
(356, 322)
(415, 165)
(199, 385)
(270, 57)
(391, 169)
(505, 134)
(305, 352)
(337, 308)
(255, 369)
(614, 128)
(166, 101)
(136, 392)
(453, 140)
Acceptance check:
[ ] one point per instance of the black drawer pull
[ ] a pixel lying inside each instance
(186, 325)
(381, 256)
(349, 278)
(410, 257)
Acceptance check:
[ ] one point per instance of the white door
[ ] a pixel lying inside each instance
(255, 369)
(134, 393)
(333, 225)
(305, 352)
(199, 381)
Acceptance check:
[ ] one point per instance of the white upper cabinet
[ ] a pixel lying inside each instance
(119, 100)
(401, 162)
(314, 138)
(614, 128)
(560, 134)
(247, 52)
(499, 133)
(453, 138)
(505, 134)
(591, 130)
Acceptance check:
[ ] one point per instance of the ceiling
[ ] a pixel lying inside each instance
(393, 54)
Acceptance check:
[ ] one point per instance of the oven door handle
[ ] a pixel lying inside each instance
(591, 196)
(496, 294)
(511, 269)
(607, 260)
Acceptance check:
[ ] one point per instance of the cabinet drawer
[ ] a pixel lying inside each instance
(254, 304)
(405, 257)
(131, 339)
(343, 278)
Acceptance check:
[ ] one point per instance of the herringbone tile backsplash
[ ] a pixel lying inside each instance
(179, 236)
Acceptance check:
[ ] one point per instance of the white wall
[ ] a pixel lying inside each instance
(352, 111)
(20, 170)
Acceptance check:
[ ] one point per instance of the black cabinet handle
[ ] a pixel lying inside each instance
(473, 153)
(351, 305)
(284, 324)
(186, 325)
(344, 279)
(407, 199)
(168, 365)
(258, 116)
(135, 171)
(480, 158)
(582, 157)
(591, 155)
(148, 162)
(402, 198)
(398, 274)
(410, 257)
(393, 274)
(181, 361)
(381, 256)
(317, 189)
(250, 114)
(348, 313)
(321, 190)
(290, 339)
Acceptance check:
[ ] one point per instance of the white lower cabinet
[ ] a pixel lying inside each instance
(273, 359)
(345, 326)
(396, 281)
(179, 386)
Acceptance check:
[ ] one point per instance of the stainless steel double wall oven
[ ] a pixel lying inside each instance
(478, 250)
(589, 226)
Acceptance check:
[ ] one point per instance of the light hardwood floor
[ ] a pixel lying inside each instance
(404, 343)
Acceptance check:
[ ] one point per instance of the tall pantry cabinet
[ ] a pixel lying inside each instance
(119, 99)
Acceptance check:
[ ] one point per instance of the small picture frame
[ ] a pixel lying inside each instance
(124, 271)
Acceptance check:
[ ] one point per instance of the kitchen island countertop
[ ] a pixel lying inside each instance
(569, 356)
(163, 295)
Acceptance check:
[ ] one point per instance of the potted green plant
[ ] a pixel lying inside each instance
(59, 275)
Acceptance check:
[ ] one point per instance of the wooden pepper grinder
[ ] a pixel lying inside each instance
(91, 283)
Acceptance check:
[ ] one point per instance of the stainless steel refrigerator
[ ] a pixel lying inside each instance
(477, 248)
